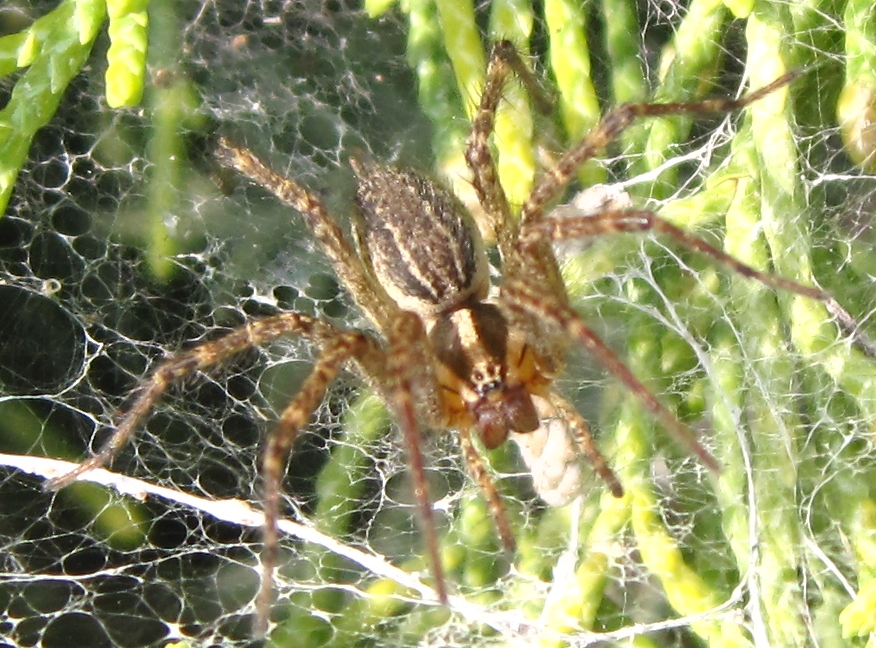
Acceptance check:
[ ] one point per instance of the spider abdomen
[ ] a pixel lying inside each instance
(423, 245)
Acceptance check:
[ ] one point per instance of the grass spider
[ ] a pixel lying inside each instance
(444, 352)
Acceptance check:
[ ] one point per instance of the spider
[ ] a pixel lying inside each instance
(444, 352)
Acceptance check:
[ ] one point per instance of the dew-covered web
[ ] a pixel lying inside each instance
(124, 240)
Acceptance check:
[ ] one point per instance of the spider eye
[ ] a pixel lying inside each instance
(488, 382)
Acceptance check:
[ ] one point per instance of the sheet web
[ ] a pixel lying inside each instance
(93, 296)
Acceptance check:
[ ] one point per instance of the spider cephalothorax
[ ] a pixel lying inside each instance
(444, 352)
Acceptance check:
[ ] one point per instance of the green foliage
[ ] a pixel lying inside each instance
(52, 51)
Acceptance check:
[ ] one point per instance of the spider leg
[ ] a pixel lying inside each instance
(612, 126)
(494, 501)
(642, 220)
(368, 294)
(539, 262)
(585, 442)
(410, 361)
(504, 59)
(524, 299)
(186, 363)
(339, 346)
(295, 416)
(405, 342)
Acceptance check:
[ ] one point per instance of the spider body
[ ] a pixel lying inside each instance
(426, 251)
(423, 245)
(444, 352)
